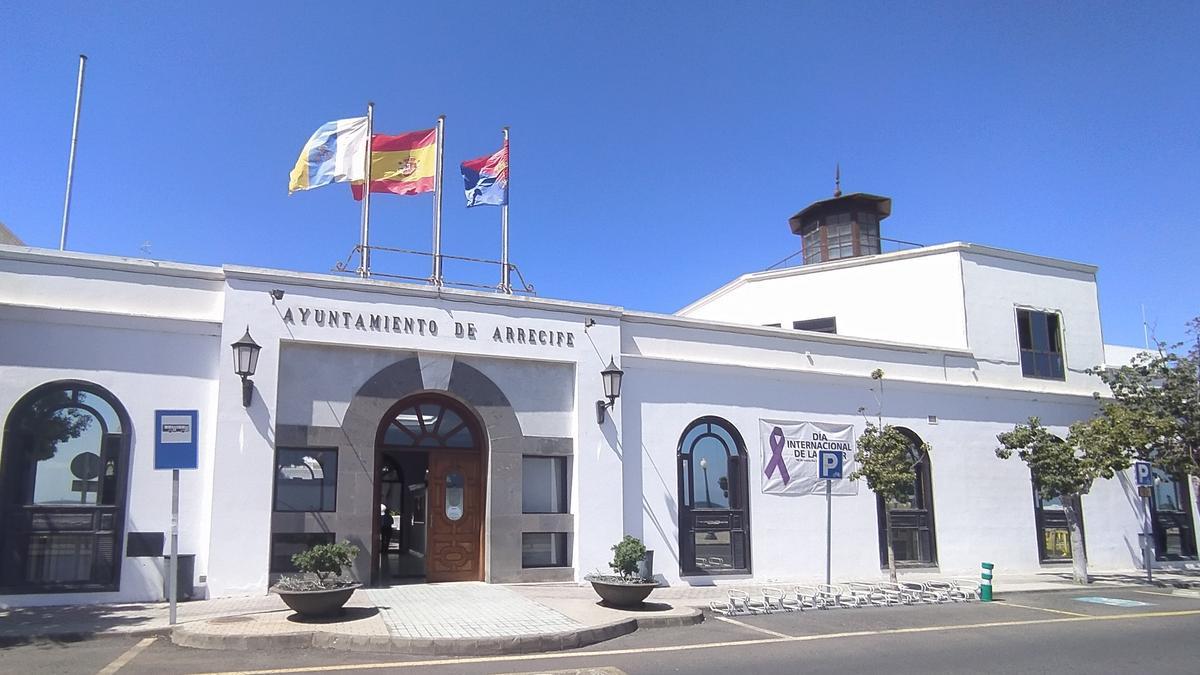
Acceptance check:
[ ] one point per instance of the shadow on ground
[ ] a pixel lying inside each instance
(65, 624)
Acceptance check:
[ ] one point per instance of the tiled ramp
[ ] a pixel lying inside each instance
(463, 610)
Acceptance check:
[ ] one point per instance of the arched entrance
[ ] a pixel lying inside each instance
(430, 487)
(63, 482)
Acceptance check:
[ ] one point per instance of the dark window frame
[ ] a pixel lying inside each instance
(1042, 521)
(735, 520)
(923, 516)
(1184, 518)
(275, 477)
(565, 483)
(16, 484)
(824, 324)
(565, 550)
(1029, 325)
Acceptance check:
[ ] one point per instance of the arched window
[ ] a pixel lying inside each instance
(913, 538)
(714, 523)
(1054, 537)
(63, 476)
(1171, 511)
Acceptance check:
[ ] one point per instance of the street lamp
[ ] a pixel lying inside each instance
(704, 468)
(611, 377)
(245, 361)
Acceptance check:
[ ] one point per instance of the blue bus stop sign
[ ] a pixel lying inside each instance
(1142, 471)
(829, 464)
(175, 442)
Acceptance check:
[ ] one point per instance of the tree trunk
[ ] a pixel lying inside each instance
(1075, 528)
(887, 533)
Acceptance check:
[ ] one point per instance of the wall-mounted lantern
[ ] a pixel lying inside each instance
(245, 361)
(611, 377)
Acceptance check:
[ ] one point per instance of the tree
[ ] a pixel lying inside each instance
(887, 459)
(1065, 470)
(1154, 412)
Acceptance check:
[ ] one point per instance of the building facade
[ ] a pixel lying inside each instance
(453, 435)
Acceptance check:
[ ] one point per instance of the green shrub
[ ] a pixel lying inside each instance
(626, 556)
(325, 560)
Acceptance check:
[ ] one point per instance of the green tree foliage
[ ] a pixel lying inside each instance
(626, 556)
(887, 459)
(1064, 469)
(1154, 412)
(51, 421)
(326, 560)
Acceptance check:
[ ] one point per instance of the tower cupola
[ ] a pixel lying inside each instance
(846, 226)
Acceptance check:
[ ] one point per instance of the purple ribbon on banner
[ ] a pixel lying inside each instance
(776, 461)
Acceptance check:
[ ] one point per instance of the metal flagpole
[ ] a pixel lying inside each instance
(437, 204)
(62, 241)
(505, 272)
(364, 257)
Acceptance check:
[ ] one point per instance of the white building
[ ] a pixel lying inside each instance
(472, 418)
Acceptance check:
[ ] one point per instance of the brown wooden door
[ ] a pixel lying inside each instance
(455, 516)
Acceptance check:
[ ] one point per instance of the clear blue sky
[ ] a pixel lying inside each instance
(658, 148)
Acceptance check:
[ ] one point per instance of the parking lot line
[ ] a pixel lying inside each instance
(1040, 609)
(125, 658)
(749, 627)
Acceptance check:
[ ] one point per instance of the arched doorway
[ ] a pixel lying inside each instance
(430, 486)
(914, 539)
(714, 510)
(63, 483)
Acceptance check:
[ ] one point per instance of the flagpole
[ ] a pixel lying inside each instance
(505, 276)
(364, 255)
(437, 203)
(62, 240)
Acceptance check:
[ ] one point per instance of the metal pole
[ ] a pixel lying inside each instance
(1147, 547)
(437, 203)
(173, 567)
(505, 272)
(828, 531)
(364, 256)
(62, 240)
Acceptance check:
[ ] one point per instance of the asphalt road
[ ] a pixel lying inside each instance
(1025, 633)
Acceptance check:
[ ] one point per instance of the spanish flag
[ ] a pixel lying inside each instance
(402, 165)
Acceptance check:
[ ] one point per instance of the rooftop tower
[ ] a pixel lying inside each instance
(846, 226)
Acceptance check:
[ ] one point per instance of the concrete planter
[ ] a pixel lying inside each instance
(322, 603)
(623, 594)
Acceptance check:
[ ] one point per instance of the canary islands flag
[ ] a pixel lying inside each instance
(336, 153)
(486, 179)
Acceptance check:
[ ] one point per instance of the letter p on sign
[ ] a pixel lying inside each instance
(1142, 472)
(830, 463)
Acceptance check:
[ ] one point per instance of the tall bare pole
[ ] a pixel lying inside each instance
(505, 272)
(437, 203)
(364, 255)
(62, 240)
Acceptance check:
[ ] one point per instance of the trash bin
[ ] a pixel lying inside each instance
(646, 565)
(185, 573)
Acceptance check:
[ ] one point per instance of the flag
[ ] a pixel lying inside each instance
(486, 179)
(334, 154)
(402, 165)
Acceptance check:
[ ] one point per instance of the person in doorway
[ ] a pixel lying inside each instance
(385, 530)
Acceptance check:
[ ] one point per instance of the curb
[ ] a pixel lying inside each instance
(192, 636)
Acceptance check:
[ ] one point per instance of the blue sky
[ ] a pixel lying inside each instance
(658, 148)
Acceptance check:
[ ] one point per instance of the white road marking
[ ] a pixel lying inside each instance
(1041, 609)
(125, 658)
(749, 627)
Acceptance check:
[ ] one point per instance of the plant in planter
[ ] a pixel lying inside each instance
(626, 588)
(325, 594)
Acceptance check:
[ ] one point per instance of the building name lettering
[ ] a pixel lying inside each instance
(407, 325)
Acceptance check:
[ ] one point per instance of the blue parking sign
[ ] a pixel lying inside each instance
(829, 464)
(1141, 470)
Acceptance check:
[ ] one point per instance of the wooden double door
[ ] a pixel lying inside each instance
(450, 437)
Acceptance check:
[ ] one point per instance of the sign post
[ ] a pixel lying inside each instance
(829, 463)
(1145, 482)
(175, 448)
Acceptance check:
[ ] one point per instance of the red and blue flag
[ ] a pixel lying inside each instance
(486, 179)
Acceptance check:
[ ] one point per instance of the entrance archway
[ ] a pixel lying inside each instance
(430, 486)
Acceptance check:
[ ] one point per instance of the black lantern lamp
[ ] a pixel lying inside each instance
(245, 360)
(611, 377)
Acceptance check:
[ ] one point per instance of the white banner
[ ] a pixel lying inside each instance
(790, 451)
